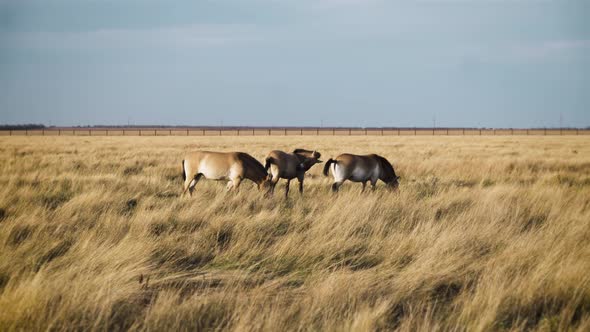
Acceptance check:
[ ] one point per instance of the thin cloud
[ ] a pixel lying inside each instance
(186, 36)
(327, 4)
(526, 51)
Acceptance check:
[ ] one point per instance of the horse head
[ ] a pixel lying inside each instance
(393, 184)
(308, 158)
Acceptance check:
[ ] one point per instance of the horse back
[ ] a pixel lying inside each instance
(213, 165)
(285, 162)
(357, 167)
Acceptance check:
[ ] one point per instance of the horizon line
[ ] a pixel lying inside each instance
(217, 127)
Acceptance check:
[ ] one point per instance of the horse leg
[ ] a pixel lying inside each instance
(364, 186)
(190, 185)
(237, 182)
(273, 183)
(301, 178)
(186, 185)
(287, 188)
(336, 186)
(373, 184)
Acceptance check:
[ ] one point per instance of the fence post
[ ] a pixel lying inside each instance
(301, 131)
(544, 131)
(480, 132)
(187, 132)
(447, 131)
(398, 133)
(415, 133)
(349, 132)
(333, 132)
(285, 131)
(10, 133)
(269, 132)
(527, 132)
(576, 131)
(365, 131)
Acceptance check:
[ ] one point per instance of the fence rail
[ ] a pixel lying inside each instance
(293, 132)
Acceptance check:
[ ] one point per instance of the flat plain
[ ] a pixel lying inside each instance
(485, 233)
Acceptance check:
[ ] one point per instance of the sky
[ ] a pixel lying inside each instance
(366, 63)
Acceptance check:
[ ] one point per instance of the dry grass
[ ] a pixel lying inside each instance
(486, 233)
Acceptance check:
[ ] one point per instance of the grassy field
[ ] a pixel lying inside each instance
(485, 233)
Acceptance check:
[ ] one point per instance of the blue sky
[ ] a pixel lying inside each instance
(492, 63)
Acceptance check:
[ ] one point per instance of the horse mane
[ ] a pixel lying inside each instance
(254, 165)
(307, 153)
(301, 151)
(387, 173)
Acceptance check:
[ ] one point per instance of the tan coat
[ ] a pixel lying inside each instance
(232, 166)
(283, 165)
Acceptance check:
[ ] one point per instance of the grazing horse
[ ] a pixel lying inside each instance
(361, 169)
(232, 166)
(288, 166)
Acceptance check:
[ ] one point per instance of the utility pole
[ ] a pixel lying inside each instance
(433, 124)
(560, 123)
(560, 120)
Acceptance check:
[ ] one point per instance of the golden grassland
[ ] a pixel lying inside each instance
(485, 233)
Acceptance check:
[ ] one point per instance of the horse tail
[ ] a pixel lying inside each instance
(269, 161)
(183, 171)
(327, 165)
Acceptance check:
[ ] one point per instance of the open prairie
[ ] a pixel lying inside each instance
(485, 233)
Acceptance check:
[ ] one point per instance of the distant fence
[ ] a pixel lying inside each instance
(292, 132)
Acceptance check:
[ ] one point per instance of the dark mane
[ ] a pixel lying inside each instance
(253, 166)
(307, 153)
(301, 150)
(388, 174)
